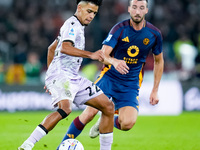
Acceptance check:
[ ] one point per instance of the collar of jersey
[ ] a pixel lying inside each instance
(137, 30)
(78, 20)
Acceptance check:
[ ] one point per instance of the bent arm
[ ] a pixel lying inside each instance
(67, 48)
(108, 60)
(120, 65)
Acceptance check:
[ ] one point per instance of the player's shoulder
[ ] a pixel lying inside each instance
(153, 28)
(71, 22)
(120, 26)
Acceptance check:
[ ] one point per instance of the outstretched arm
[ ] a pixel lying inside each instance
(67, 48)
(158, 71)
(120, 65)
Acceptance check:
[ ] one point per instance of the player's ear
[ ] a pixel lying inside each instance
(79, 7)
(147, 10)
(129, 9)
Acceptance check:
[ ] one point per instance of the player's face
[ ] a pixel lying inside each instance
(87, 12)
(138, 10)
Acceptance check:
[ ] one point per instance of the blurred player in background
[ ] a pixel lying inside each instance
(64, 83)
(126, 49)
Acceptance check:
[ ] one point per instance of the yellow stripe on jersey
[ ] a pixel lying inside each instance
(102, 73)
(140, 77)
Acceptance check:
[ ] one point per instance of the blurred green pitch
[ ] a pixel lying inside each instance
(150, 132)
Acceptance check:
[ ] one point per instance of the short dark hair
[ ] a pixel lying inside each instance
(96, 2)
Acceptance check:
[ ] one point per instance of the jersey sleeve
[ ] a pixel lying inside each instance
(69, 34)
(113, 36)
(157, 48)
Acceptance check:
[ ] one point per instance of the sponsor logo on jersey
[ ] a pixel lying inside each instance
(133, 51)
(126, 39)
(146, 41)
(130, 60)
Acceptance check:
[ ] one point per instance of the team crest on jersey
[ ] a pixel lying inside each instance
(146, 41)
(71, 32)
(109, 37)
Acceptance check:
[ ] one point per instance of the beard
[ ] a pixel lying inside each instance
(137, 21)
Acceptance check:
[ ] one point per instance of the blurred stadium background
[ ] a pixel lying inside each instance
(27, 27)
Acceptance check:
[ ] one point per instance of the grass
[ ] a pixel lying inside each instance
(150, 132)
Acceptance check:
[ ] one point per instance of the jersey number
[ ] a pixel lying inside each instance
(92, 91)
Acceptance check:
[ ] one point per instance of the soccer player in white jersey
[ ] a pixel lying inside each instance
(64, 83)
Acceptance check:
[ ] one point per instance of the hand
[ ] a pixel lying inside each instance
(98, 55)
(47, 91)
(154, 98)
(120, 66)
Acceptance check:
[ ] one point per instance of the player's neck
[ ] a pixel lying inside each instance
(78, 18)
(137, 26)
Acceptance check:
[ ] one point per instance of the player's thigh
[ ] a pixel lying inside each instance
(102, 103)
(91, 95)
(87, 90)
(128, 115)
